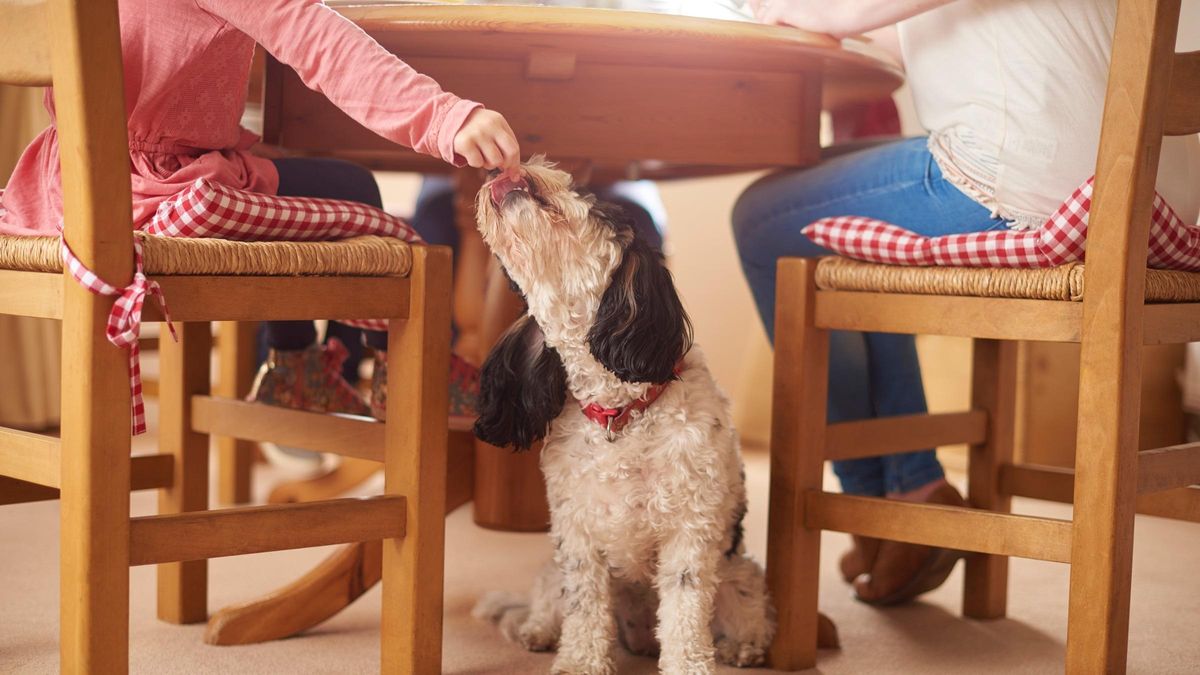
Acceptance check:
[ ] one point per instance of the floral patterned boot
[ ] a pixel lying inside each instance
(308, 379)
(464, 389)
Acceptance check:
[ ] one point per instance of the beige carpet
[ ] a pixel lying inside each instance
(925, 637)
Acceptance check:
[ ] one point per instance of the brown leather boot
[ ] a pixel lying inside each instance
(903, 571)
(859, 559)
(827, 633)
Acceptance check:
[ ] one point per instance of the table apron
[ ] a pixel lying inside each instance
(607, 113)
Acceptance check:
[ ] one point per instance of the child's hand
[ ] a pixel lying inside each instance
(487, 142)
(805, 14)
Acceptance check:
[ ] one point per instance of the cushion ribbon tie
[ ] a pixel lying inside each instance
(125, 320)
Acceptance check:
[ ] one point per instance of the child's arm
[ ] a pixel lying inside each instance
(840, 18)
(336, 58)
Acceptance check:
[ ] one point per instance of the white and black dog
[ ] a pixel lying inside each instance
(642, 465)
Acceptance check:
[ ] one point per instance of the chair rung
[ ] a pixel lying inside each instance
(33, 458)
(1171, 323)
(339, 434)
(1180, 504)
(204, 298)
(257, 529)
(1051, 483)
(13, 491)
(992, 318)
(33, 294)
(150, 472)
(890, 435)
(951, 527)
(1057, 484)
(1168, 468)
(147, 472)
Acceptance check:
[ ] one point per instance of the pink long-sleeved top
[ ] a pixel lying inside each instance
(187, 65)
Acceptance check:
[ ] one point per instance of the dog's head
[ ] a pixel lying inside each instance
(595, 290)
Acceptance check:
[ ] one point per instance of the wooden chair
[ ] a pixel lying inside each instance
(1113, 308)
(90, 467)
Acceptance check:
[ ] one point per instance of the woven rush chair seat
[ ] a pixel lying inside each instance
(168, 256)
(1052, 283)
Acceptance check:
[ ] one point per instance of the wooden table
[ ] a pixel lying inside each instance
(624, 94)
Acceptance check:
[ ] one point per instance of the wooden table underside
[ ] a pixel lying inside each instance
(624, 94)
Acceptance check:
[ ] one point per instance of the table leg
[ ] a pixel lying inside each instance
(236, 350)
(304, 603)
(509, 492)
(470, 270)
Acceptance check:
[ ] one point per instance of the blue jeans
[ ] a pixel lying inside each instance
(870, 374)
(325, 179)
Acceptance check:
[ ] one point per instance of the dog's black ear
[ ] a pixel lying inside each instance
(641, 329)
(522, 388)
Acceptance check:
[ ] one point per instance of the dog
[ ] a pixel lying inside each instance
(642, 464)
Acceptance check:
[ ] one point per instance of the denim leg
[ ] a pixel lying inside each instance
(896, 389)
(849, 385)
(323, 179)
(327, 179)
(879, 375)
(433, 216)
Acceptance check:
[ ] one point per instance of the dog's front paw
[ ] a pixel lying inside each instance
(537, 637)
(567, 664)
(740, 654)
(694, 665)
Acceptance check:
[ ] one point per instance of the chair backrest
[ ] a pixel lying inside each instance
(1152, 91)
(75, 45)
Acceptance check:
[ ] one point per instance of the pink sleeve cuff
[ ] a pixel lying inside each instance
(451, 124)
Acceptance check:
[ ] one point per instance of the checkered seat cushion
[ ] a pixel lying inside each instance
(1061, 240)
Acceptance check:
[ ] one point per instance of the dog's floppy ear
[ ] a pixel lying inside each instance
(522, 388)
(641, 329)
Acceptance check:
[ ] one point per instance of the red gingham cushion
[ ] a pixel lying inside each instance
(1062, 239)
(213, 210)
(208, 209)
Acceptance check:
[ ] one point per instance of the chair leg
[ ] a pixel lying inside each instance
(415, 466)
(94, 572)
(1105, 500)
(993, 389)
(797, 461)
(235, 457)
(184, 366)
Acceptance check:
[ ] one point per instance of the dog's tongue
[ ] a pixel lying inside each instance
(504, 184)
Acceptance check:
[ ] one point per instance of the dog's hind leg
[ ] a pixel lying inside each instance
(635, 605)
(686, 581)
(744, 621)
(539, 626)
(588, 628)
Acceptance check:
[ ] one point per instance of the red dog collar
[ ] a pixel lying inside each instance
(615, 419)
